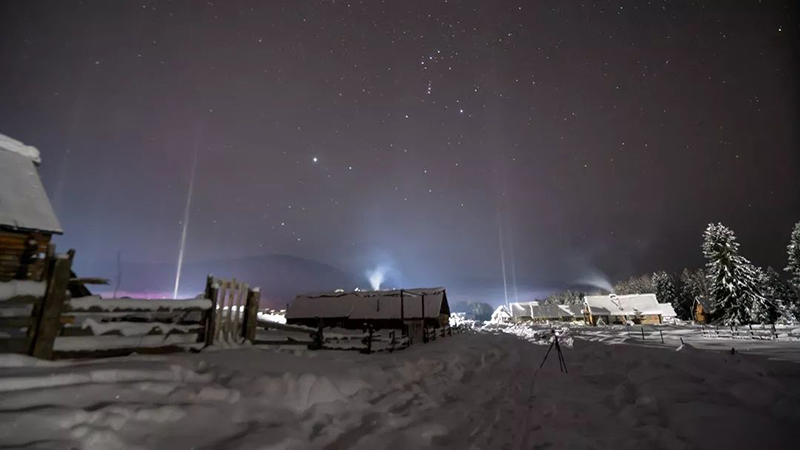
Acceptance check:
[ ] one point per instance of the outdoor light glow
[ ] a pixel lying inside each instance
(377, 276)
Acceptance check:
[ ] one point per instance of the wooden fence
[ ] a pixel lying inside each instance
(760, 332)
(365, 341)
(40, 318)
(98, 327)
(30, 311)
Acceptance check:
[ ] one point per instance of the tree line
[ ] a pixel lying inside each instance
(737, 291)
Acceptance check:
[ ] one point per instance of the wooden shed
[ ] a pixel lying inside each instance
(27, 220)
(701, 310)
(619, 309)
(405, 309)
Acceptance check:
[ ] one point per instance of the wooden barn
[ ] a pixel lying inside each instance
(404, 309)
(619, 309)
(701, 310)
(27, 220)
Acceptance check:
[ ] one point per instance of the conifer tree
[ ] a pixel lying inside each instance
(735, 283)
(668, 292)
(781, 295)
(793, 252)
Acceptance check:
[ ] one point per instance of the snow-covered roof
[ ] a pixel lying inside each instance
(667, 310)
(14, 146)
(500, 314)
(23, 200)
(370, 304)
(537, 310)
(575, 310)
(703, 301)
(622, 305)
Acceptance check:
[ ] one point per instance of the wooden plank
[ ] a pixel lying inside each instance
(76, 331)
(230, 304)
(15, 322)
(49, 321)
(18, 345)
(88, 280)
(288, 341)
(267, 325)
(172, 317)
(109, 353)
(211, 315)
(251, 315)
(21, 300)
(220, 319)
(238, 310)
(96, 309)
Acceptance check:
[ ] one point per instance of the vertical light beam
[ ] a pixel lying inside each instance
(186, 211)
(502, 258)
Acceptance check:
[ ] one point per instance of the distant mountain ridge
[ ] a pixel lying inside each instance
(280, 277)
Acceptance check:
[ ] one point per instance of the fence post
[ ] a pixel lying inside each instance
(774, 332)
(251, 315)
(319, 339)
(752, 335)
(369, 339)
(49, 319)
(211, 316)
(662, 335)
(424, 327)
(642, 333)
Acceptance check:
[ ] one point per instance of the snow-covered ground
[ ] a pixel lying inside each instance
(473, 390)
(786, 347)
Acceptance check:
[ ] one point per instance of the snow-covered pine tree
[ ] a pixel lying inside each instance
(735, 283)
(666, 291)
(781, 295)
(772, 310)
(793, 251)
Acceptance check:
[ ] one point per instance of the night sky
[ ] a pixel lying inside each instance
(595, 140)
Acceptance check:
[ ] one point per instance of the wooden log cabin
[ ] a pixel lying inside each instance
(27, 219)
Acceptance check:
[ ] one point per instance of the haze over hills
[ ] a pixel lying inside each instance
(280, 277)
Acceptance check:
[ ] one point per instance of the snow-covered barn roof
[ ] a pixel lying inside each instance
(372, 305)
(23, 201)
(667, 310)
(622, 305)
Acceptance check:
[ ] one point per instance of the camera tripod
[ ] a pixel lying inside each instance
(561, 363)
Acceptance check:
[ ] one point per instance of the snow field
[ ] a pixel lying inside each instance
(472, 391)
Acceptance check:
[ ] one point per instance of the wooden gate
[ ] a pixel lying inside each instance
(234, 311)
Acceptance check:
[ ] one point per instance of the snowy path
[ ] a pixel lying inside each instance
(471, 391)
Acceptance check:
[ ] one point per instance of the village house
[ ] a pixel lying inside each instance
(668, 313)
(27, 220)
(538, 312)
(411, 310)
(619, 309)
